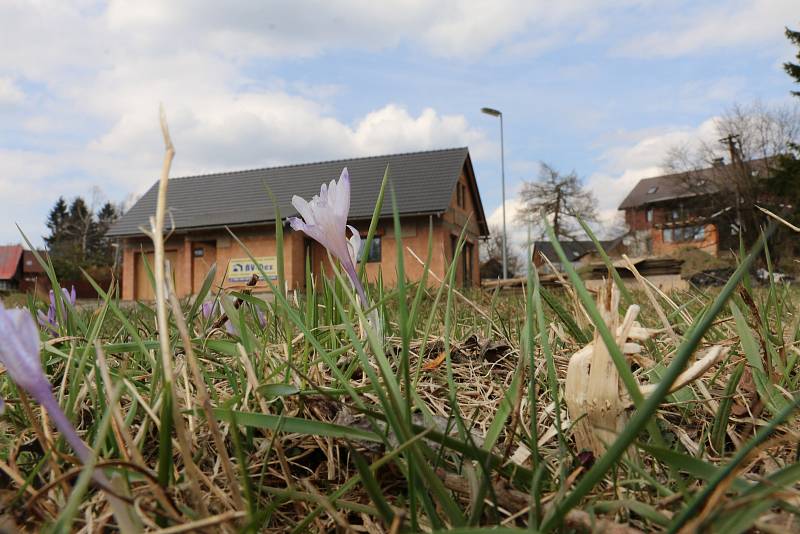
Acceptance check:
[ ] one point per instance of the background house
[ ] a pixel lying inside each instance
(20, 271)
(689, 209)
(33, 276)
(10, 267)
(579, 253)
(435, 192)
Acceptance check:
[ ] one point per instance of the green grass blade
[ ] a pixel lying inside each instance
(643, 414)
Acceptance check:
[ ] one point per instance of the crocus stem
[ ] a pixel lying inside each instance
(362, 295)
(127, 521)
(63, 424)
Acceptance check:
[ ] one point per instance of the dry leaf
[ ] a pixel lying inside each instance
(435, 363)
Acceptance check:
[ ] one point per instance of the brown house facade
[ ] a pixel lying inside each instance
(687, 210)
(435, 191)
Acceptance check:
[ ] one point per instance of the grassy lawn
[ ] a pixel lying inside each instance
(298, 415)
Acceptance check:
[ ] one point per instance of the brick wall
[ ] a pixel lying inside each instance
(707, 244)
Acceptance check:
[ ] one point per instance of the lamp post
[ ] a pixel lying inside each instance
(497, 113)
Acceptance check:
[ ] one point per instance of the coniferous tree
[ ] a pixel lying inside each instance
(786, 182)
(101, 251)
(793, 69)
(56, 222)
(80, 227)
(77, 238)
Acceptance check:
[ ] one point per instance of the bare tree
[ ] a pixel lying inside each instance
(561, 199)
(724, 179)
(491, 254)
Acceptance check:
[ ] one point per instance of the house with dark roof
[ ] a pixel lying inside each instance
(435, 192)
(34, 277)
(687, 209)
(578, 252)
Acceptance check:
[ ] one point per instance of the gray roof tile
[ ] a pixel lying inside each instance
(423, 183)
(678, 185)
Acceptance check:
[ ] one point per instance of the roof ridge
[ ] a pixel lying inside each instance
(704, 169)
(294, 165)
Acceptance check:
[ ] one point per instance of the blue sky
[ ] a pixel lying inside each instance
(601, 87)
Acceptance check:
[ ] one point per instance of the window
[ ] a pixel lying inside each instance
(461, 195)
(699, 233)
(466, 267)
(650, 215)
(675, 215)
(374, 255)
(684, 233)
(199, 252)
(652, 190)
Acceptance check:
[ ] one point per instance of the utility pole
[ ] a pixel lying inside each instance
(736, 159)
(731, 141)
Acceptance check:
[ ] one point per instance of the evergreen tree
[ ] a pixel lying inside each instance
(77, 238)
(793, 69)
(101, 251)
(786, 181)
(80, 227)
(56, 222)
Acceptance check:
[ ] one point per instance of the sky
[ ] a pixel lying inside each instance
(603, 88)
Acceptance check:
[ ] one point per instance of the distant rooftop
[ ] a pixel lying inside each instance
(673, 186)
(574, 250)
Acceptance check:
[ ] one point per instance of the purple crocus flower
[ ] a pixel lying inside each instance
(19, 353)
(208, 308)
(211, 308)
(324, 219)
(50, 321)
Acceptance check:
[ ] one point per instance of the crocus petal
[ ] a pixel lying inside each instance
(325, 221)
(19, 350)
(297, 224)
(44, 320)
(354, 244)
(343, 203)
(303, 209)
(19, 353)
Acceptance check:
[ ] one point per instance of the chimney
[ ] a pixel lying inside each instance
(718, 162)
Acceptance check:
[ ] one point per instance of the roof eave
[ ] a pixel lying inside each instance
(267, 222)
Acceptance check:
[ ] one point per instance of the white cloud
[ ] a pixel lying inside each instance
(104, 72)
(626, 158)
(9, 92)
(98, 72)
(450, 28)
(726, 25)
(631, 156)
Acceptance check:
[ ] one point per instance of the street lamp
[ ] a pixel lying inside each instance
(496, 113)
